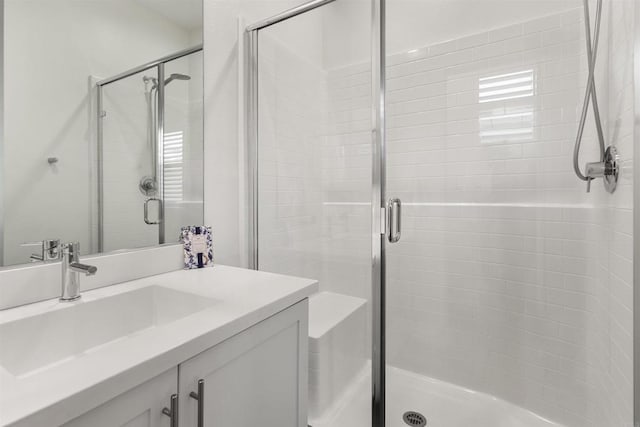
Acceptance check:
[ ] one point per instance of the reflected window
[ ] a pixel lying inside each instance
(173, 166)
(506, 86)
(507, 113)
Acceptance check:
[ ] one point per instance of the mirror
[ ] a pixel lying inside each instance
(102, 124)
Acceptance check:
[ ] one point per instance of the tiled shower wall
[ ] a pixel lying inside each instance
(307, 161)
(502, 281)
(292, 105)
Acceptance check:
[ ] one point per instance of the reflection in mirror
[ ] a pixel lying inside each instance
(102, 124)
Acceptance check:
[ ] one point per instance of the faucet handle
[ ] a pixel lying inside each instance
(71, 246)
(49, 250)
(608, 169)
(71, 250)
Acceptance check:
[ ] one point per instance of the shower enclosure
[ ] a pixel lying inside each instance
(417, 158)
(149, 152)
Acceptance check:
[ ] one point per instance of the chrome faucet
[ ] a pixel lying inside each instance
(71, 267)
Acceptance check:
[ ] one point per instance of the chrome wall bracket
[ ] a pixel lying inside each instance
(608, 170)
(148, 186)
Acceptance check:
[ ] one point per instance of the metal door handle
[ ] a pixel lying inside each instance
(394, 220)
(199, 396)
(172, 412)
(146, 211)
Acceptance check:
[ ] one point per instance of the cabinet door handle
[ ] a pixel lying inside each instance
(172, 412)
(199, 396)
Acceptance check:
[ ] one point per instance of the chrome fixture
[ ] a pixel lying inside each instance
(289, 13)
(146, 211)
(176, 76)
(414, 419)
(607, 168)
(150, 65)
(150, 186)
(394, 220)
(49, 250)
(199, 397)
(71, 267)
(172, 411)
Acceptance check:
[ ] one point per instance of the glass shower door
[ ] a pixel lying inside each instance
(314, 191)
(151, 155)
(127, 157)
(509, 292)
(183, 174)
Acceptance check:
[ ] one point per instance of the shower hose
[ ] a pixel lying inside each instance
(590, 93)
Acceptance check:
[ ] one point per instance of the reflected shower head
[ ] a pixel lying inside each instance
(176, 77)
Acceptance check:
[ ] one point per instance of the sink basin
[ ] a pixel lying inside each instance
(38, 342)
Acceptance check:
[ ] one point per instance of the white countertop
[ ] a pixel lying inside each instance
(66, 390)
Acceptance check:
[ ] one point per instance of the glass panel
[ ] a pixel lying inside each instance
(183, 145)
(314, 150)
(128, 138)
(509, 280)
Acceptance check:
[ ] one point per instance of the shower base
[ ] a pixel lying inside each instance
(443, 405)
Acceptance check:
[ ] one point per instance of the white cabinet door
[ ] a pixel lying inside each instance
(256, 378)
(138, 407)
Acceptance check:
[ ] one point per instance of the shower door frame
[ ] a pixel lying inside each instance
(378, 191)
(636, 217)
(159, 65)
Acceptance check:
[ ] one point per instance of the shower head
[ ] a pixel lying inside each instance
(176, 77)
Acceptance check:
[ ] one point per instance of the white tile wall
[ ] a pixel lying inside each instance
(302, 230)
(291, 125)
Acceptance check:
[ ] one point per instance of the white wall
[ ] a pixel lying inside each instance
(49, 108)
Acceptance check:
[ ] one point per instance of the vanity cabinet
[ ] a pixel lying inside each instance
(138, 407)
(255, 378)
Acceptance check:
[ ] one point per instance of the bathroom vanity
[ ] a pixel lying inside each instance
(219, 346)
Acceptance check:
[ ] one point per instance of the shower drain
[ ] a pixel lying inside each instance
(414, 419)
